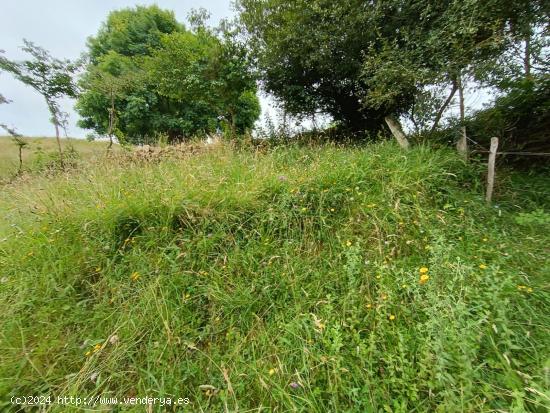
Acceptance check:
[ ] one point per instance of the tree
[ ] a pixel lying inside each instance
(117, 97)
(309, 55)
(157, 81)
(445, 43)
(208, 75)
(369, 62)
(51, 77)
(17, 138)
(110, 80)
(132, 32)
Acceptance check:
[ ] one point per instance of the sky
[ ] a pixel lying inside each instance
(62, 27)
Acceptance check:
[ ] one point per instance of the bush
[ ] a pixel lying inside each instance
(520, 119)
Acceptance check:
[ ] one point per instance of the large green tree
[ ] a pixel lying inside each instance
(149, 75)
(310, 55)
(366, 62)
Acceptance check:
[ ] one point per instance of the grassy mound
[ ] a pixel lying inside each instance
(296, 279)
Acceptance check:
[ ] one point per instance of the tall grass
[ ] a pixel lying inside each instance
(283, 280)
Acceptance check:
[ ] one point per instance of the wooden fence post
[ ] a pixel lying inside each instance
(491, 169)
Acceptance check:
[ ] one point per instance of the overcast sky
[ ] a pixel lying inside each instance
(62, 27)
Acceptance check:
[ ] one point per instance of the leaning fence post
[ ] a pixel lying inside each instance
(491, 169)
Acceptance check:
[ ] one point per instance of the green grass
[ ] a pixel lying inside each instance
(287, 279)
(40, 151)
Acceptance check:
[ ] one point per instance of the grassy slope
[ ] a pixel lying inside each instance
(252, 271)
(40, 148)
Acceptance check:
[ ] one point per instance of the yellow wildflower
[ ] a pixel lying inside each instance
(423, 270)
(272, 371)
(424, 278)
(348, 243)
(482, 266)
(392, 317)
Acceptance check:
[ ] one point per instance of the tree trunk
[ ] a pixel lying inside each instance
(56, 123)
(444, 106)
(233, 124)
(397, 131)
(111, 122)
(462, 144)
(20, 160)
(527, 57)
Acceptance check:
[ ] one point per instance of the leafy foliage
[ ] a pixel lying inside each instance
(360, 61)
(520, 118)
(164, 79)
(51, 77)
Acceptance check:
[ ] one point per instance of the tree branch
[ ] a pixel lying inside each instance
(444, 106)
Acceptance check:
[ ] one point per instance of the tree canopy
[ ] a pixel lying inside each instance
(361, 61)
(152, 75)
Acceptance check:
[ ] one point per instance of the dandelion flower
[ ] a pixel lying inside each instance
(423, 270)
(482, 266)
(392, 317)
(424, 278)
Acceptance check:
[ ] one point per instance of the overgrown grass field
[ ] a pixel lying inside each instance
(301, 278)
